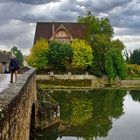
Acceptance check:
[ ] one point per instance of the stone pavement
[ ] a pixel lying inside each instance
(4, 81)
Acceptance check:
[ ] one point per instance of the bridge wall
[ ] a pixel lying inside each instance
(16, 107)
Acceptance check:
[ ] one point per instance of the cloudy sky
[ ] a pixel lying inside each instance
(18, 18)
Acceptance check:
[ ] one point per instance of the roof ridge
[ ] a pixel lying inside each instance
(59, 22)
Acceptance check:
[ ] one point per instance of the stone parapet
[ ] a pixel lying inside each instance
(16, 107)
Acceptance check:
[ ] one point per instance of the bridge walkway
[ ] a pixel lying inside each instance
(4, 81)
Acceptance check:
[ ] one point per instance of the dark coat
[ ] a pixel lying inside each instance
(14, 65)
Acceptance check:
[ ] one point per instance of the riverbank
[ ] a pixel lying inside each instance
(82, 111)
(57, 88)
(67, 81)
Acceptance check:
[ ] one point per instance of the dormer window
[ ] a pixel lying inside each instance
(62, 34)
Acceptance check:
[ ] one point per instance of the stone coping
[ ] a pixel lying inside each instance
(4, 81)
(9, 96)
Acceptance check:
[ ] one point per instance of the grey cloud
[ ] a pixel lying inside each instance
(16, 22)
(127, 31)
(102, 5)
(131, 42)
(126, 17)
(17, 33)
(32, 14)
(65, 11)
(122, 13)
(29, 1)
(15, 13)
(74, 6)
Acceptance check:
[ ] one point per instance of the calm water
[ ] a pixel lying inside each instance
(96, 115)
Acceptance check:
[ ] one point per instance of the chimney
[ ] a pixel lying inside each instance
(53, 29)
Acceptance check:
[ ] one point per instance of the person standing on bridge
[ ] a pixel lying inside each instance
(13, 67)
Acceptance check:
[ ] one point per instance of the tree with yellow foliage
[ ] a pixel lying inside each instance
(82, 54)
(38, 57)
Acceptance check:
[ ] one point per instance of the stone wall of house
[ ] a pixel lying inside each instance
(16, 103)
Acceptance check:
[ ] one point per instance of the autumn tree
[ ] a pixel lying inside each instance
(38, 57)
(82, 54)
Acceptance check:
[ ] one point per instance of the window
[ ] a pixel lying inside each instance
(62, 35)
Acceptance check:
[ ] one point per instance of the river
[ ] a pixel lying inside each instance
(95, 115)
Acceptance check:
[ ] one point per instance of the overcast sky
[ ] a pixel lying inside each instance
(18, 18)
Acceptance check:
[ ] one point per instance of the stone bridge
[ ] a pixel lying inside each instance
(16, 103)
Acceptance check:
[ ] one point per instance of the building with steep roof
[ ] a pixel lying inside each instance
(64, 31)
(4, 62)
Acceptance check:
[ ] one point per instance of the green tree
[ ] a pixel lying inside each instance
(82, 54)
(58, 54)
(95, 26)
(101, 46)
(99, 33)
(38, 57)
(135, 57)
(115, 64)
(117, 44)
(18, 55)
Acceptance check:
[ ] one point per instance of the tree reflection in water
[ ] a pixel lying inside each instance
(89, 114)
(135, 95)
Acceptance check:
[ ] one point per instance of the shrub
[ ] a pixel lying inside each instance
(58, 54)
(38, 57)
(82, 54)
(133, 70)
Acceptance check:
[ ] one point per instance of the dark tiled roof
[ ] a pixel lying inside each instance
(45, 29)
(4, 57)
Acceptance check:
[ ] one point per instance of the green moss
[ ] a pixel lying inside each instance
(67, 82)
(133, 78)
(45, 86)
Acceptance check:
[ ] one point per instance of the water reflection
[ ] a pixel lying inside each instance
(135, 95)
(98, 114)
(89, 114)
